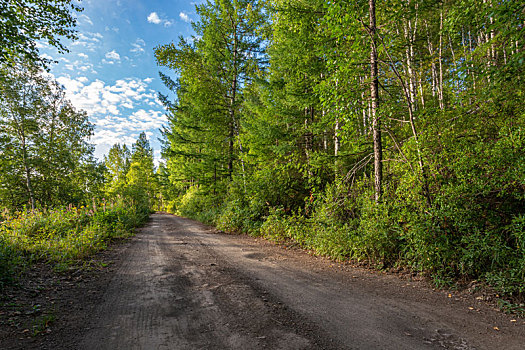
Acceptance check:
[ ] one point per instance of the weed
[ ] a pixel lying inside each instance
(61, 236)
(41, 324)
(512, 308)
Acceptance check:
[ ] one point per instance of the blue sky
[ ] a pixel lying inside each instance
(111, 72)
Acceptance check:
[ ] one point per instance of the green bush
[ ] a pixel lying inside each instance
(63, 235)
(199, 205)
(379, 236)
(470, 225)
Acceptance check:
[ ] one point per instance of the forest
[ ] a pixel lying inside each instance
(388, 133)
(384, 133)
(58, 203)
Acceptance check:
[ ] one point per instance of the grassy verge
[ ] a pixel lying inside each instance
(62, 236)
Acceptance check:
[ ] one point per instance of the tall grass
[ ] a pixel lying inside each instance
(62, 236)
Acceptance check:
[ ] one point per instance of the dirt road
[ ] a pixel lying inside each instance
(180, 285)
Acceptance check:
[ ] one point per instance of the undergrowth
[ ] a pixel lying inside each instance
(447, 243)
(62, 236)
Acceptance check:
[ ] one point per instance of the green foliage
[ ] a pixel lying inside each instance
(9, 260)
(45, 157)
(378, 237)
(131, 175)
(308, 233)
(204, 146)
(24, 22)
(46, 161)
(63, 235)
(117, 163)
(198, 205)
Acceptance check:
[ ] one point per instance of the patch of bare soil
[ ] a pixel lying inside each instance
(181, 285)
(47, 309)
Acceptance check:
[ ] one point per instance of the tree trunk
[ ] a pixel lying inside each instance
(337, 145)
(471, 64)
(433, 68)
(20, 125)
(233, 96)
(440, 90)
(308, 141)
(27, 171)
(374, 97)
(230, 153)
(409, 29)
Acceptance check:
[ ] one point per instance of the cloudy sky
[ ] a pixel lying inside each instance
(111, 72)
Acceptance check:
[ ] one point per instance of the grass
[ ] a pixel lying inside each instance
(61, 236)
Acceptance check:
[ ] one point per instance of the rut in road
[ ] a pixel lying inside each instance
(183, 287)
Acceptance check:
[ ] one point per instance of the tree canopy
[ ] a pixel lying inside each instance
(45, 156)
(23, 23)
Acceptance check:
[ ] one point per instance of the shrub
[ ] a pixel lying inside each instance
(63, 235)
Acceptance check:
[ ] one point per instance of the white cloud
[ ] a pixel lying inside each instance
(82, 55)
(115, 29)
(138, 46)
(93, 37)
(120, 111)
(79, 66)
(105, 138)
(72, 86)
(113, 55)
(42, 45)
(154, 18)
(46, 56)
(85, 19)
(184, 16)
(193, 38)
(147, 120)
(89, 41)
(97, 98)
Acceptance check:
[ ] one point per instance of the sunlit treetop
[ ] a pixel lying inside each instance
(25, 22)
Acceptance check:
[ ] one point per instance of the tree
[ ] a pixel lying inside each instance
(25, 22)
(141, 178)
(286, 127)
(141, 152)
(206, 120)
(43, 140)
(374, 96)
(390, 131)
(131, 174)
(21, 107)
(117, 163)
